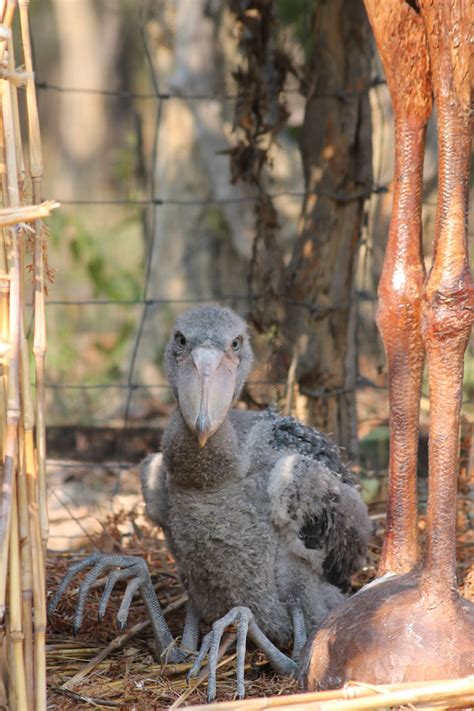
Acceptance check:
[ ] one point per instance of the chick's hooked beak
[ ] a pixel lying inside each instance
(206, 387)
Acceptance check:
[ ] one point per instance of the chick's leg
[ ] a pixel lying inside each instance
(119, 567)
(299, 632)
(190, 638)
(246, 627)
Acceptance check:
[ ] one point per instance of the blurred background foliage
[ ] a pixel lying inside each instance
(137, 103)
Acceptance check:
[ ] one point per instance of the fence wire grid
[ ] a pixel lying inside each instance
(101, 373)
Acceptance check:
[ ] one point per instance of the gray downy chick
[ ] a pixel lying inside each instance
(263, 518)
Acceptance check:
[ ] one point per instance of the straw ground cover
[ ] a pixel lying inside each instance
(108, 668)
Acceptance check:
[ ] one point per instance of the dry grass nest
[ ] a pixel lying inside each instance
(106, 668)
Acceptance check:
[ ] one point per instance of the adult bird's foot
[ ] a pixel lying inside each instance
(119, 567)
(246, 627)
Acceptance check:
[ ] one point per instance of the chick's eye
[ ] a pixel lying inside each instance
(236, 343)
(180, 340)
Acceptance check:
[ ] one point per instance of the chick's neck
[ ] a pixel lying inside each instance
(192, 466)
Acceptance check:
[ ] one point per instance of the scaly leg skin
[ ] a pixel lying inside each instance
(246, 626)
(190, 638)
(400, 34)
(299, 633)
(448, 303)
(120, 567)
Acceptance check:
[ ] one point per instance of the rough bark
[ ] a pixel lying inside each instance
(199, 250)
(336, 149)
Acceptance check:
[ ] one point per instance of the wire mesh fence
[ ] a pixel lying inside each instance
(121, 279)
(144, 233)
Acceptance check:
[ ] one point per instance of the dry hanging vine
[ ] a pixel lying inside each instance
(260, 114)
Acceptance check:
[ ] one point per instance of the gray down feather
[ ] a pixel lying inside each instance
(266, 514)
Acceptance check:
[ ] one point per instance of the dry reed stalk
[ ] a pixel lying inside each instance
(13, 414)
(4, 524)
(15, 623)
(23, 518)
(39, 587)
(20, 163)
(39, 345)
(4, 343)
(29, 531)
(7, 459)
(36, 460)
(26, 562)
(7, 10)
(359, 697)
(27, 422)
(26, 213)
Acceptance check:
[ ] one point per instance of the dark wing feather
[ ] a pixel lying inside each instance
(322, 517)
(343, 544)
(289, 433)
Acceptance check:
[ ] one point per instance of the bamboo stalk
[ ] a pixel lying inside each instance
(26, 213)
(5, 512)
(4, 340)
(20, 163)
(28, 521)
(15, 177)
(10, 545)
(36, 460)
(357, 697)
(9, 553)
(39, 345)
(6, 444)
(39, 587)
(26, 562)
(23, 516)
(39, 350)
(12, 197)
(34, 133)
(15, 627)
(8, 10)
(13, 406)
(25, 621)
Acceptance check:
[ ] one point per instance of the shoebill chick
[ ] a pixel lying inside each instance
(263, 518)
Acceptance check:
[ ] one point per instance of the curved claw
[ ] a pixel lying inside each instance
(242, 632)
(246, 627)
(242, 616)
(205, 645)
(114, 577)
(74, 569)
(84, 588)
(130, 566)
(136, 570)
(132, 587)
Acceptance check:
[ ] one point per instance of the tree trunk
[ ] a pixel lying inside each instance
(336, 148)
(83, 133)
(200, 250)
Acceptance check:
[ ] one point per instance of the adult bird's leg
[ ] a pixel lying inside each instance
(449, 294)
(246, 627)
(416, 627)
(120, 567)
(401, 38)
